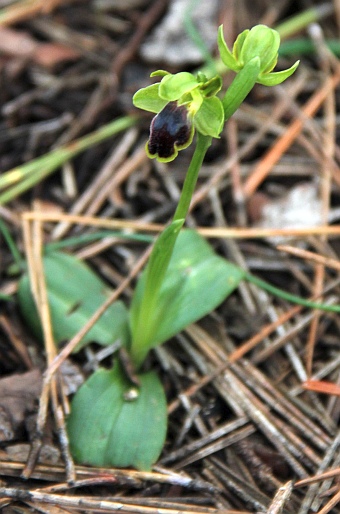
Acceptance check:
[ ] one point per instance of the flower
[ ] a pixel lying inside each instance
(260, 42)
(182, 103)
(171, 130)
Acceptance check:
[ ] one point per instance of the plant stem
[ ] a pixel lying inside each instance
(240, 87)
(202, 145)
(144, 319)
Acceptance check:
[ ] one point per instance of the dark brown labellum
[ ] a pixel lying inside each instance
(170, 131)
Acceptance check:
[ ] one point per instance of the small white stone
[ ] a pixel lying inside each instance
(170, 42)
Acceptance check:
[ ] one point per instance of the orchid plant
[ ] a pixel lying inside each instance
(118, 417)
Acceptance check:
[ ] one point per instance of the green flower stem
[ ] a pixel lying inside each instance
(202, 145)
(240, 87)
(146, 322)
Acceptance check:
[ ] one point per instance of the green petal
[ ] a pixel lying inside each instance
(275, 78)
(172, 87)
(148, 99)
(212, 86)
(226, 55)
(210, 117)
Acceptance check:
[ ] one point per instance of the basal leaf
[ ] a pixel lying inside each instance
(107, 430)
(74, 294)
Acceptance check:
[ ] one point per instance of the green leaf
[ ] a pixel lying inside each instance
(172, 87)
(148, 99)
(107, 430)
(209, 119)
(143, 308)
(196, 282)
(74, 294)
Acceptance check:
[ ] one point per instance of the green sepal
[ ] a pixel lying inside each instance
(148, 99)
(172, 87)
(275, 78)
(209, 119)
(227, 57)
(159, 73)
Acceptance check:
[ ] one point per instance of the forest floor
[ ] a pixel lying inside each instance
(252, 388)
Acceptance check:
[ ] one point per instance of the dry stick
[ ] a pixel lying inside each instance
(262, 334)
(87, 503)
(314, 325)
(329, 148)
(334, 501)
(146, 21)
(235, 170)
(17, 342)
(44, 397)
(217, 232)
(321, 386)
(34, 245)
(281, 497)
(239, 353)
(318, 478)
(251, 143)
(27, 9)
(115, 159)
(315, 257)
(264, 167)
(128, 167)
(54, 365)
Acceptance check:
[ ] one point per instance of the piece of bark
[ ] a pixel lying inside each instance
(19, 396)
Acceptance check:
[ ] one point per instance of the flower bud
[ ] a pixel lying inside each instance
(262, 42)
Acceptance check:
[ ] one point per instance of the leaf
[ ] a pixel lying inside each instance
(154, 274)
(106, 430)
(74, 294)
(196, 282)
